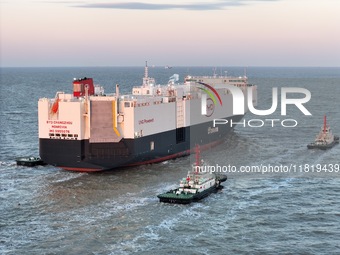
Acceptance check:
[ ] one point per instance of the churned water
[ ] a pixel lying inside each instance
(45, 210)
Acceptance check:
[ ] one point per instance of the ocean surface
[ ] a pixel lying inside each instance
(46, 210)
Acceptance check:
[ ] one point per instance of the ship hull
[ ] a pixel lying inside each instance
(81, 155)
(322, 146)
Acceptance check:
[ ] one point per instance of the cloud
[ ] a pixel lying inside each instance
(213, 5)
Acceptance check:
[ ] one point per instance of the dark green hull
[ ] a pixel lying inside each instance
(323, 146)
(29, 161)
(172, 197)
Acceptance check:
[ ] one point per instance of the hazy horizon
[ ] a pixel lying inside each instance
(163, 66)
(271, 33)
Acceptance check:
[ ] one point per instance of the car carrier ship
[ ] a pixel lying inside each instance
(90, 131)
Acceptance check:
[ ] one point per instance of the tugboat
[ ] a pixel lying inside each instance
(29, 161)
(195, 186)
(325, 139)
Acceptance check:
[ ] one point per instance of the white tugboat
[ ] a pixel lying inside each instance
(325, 139)
(195, 186)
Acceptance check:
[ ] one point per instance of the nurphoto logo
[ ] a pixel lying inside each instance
(239, 103)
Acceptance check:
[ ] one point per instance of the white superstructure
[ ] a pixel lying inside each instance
(148, 110)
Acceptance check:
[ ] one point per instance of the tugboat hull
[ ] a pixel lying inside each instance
(29, 161)
(322, 146)
(173, 198)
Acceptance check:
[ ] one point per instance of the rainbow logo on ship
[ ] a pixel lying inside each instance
(211, 95)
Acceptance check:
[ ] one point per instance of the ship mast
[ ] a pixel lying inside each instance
(146, 70)
(324, 123)
(198, 155)
(146, 74)
(147, 81)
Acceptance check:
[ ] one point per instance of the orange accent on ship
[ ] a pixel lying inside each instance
(55, 106)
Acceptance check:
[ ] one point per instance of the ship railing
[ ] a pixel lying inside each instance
(209, 77)
(150, 101)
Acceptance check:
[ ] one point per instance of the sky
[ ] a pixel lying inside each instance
(41, 33)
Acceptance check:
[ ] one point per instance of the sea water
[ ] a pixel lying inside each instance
(46, 210)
